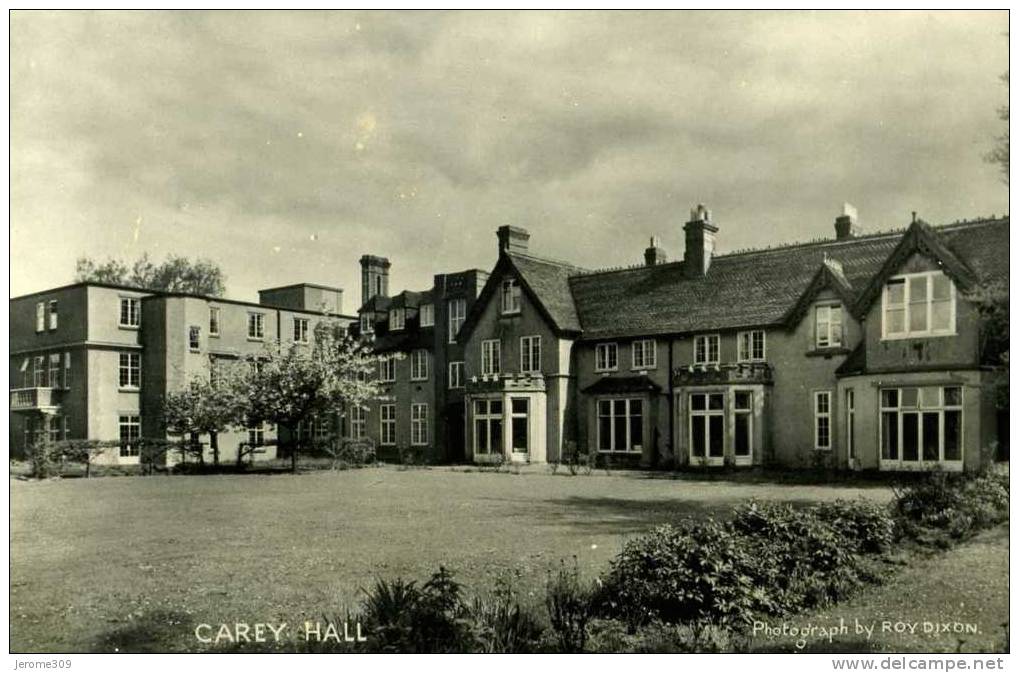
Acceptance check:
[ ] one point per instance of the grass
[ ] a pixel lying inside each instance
(965, 585)
(134, 564)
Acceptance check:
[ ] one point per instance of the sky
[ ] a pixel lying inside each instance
(283, 146)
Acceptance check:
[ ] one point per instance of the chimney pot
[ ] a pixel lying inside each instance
(512, 239)
(654, 254)
(845, 224)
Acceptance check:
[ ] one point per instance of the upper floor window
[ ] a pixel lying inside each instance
(606, 357)
(396, 319)
(130, 312)
(457, 315)
(750, 346)
(301, 330)
(40, 316)
(706, 349)
(130, 370)
(419, 365)
(491, 352)
(256, 325)
(828, 326)
(530, 354)
(387, 369)
(366, 323)
(53, 314)
(645, 355)
(39, 371)
(54, 370)
(510, 296)
(213, 321)
(194, 337)
(919, 304)
(426, 315)
(456, 374)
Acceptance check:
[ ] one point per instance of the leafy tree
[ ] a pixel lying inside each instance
(205, 405)
(999, 155)
(991, 301)
(176, 274)
(288, 386)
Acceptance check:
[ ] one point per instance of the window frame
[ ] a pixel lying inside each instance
(511, 298)
(455, 318)
(256, 319)
(830, 333)
(820, 416)
(358, 422)
(907, 304)
(491, 354)
(488, 418)
(387, 369)
(213, 321)
(397, 325)
(643, 343)
(626, 417)
(419, 359)
(418, 426)
(426, 310)
(52, 315)
(387, 424)
(748, 354)
(130, 444)
(530, 354)
(194, 338)
(304, 330)
(455, 366)
(134, 311)
(707, 340)
(606, 347)
(133, 382)
(40, 317)
(918, 410)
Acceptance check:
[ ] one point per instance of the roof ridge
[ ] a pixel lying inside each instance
(546, 260)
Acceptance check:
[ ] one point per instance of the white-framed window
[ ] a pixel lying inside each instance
(851, 423)
(214, 321)
(822, 419)
(606, 357)
(707, 427)
(426, 315)
(921, 424)
(419, 365)
(40, 316)
(39, 371)
(130, 427)
(457, 315)
(301, 330)
(256, 435)
(418, 424)
(743, 426)
(130, 370)
(828, 325)
(366, 323)
(487, 427)
(66, 381)
(491, 357)
(620, 425)
(510, 296)
(387, 424)
(520, 425)
(644, 354)
(706, 349)
(53, 314)
(256, 326)
(57, 428)
(530, 354)
(750, 346)
(397, 319)
(194, 337)
(456, 374)
(387, 369)
(357, 421)
(130, 312)
(918, 305)
(53, 375)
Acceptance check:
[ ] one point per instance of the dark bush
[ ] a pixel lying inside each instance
(945, 508)
(610, 636)
(868, 526)
(40, 458)
(568, 601)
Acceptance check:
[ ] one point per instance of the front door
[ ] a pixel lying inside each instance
(520, 427)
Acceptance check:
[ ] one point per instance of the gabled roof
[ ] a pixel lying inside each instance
(830, 275)
(544, 281)
(764, 287)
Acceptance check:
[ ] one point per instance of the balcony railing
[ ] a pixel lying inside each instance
(490, 383)
(35, 399)
(728, 372)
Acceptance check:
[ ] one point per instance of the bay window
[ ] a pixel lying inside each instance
(921, 425)
(488, 427)
(620, 425)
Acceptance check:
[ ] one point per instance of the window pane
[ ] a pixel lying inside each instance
(941, 315)
(896, 292)
(520, 434)
(495, 428)
(619, 407)
(636, 407)
(918, 304)
(743, 400)
(953, 396)
(942, 287)
(715, 436)
(953, 435)
(895, 321)
(716, 401)
(930, 436)
(480, 407)
(742, 439)
(910, 437)
(604, 433)
(697, 402)
(495, 407)
(823, 438)
(930, 398)
(619, 432)
(890, 435)
(481, 435)
(697, 436)
(889, 398)
(519, 406)
(909, 398)
(636, 427)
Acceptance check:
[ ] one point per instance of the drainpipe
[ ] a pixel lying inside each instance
(672, 405)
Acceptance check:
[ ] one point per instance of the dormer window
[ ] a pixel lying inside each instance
(396, 319)
(510, 296)
(427, 315)
(918, 305)
(366, 323)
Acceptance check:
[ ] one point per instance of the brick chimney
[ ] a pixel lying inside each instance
(700, 242)
(845, 224)
(374, 277)
(512, 239)
(654, 254)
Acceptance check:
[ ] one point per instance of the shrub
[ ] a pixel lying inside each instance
(40, 457)
(355, 452)
(868, 526)
(501, 625)
(944, 508)
(568, 602)
(610, 636)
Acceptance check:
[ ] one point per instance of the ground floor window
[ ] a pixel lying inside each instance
(620, 425)
(387, 420)
(519, 424)
(743, 425)
(256, 435)
(822, 419)
(707, 427)
(921, 424)
(419, 424)
(487, 426)
(130, 433)
(851, 423)
(357, 420)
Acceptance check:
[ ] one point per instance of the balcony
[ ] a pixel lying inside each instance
(35, 399)
(722, 374)
(499, 383)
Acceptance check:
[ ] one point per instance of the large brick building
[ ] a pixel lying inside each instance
(94, 360)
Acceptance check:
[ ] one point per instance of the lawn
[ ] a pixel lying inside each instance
(134, 563)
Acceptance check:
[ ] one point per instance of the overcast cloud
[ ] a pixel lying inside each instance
(286, 145)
